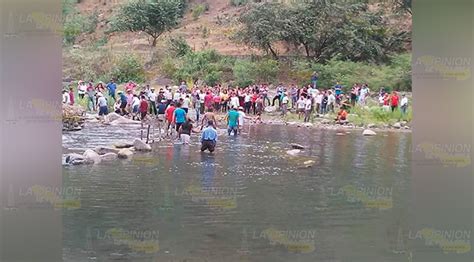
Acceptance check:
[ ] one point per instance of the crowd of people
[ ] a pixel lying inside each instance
(172, 106)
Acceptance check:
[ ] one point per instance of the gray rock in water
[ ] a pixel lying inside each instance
(125, 153)
(112, 116)
(141, 146)
(102, 150)
(91, 155)
(397, 125)
(309, 163)
(121, 145)
(297, 146)
(369, 132)
(109, 157)
(293, 152)
(74, 159)
(371, 126)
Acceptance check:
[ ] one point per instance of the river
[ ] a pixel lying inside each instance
(248, 202)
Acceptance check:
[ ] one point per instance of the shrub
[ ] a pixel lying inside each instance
(244, 72)
(128, 67)
(178, 46)
(199, 9)
(238, 2)
(266, 70)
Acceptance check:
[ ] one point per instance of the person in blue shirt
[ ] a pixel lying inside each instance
(232, 121)
(111, 86)
(179, 117)
(209, 137)
(123, 103)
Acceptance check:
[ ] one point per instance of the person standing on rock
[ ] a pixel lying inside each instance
(404, 105)
(112, 87)
(143, 107)
(209, 137)
(71, 96)
(103, 106)
(81, 89)
(284, 104)
(300, 106)
(307, 108)
(123, 103)
(65, 97)
(91, 97)
(152, 98)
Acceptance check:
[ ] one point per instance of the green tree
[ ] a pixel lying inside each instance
(154, 17)
(262, 26)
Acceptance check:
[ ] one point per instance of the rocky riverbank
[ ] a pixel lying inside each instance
(73, 117)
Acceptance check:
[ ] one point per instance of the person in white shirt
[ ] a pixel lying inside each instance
(177, 96)
(307, 109)
(331, 101)
(152, 98)
(300, 105)
(102, 103)
(186, 102)
(318, 101)
(168, 95)
(135, 106)
(404, 104)
(81, 89)
(234, 101)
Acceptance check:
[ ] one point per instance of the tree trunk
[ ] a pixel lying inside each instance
(153, 43)
(273, 52)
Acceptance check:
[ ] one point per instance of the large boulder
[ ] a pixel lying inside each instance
(397, 125)
(125, 153)
(141, 146)
(270, 109)
(91, 155)
(369, 132)
(123, 120)
(109, 157)
(112, 117)
(76, 159)
(122, 144)
(102, 150)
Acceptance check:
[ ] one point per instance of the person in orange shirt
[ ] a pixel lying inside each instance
(341, 116)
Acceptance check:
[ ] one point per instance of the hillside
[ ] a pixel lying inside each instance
(219, 22)
(212, 29)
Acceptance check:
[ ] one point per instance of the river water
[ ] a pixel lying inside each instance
(248, 202)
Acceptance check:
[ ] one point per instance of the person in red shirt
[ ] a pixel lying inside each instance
(208, 100)
(254, 102)
(71, 96)
(169, 113)
(143, 107)
(217, 102)
(394, 100)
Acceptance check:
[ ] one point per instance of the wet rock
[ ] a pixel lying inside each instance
(75, 159)
(397, 125)
(371, 126)
(91, 155)
(297, 146)
(102, 150)
(141, 146)
(309, 163)
(109, 157)
(293, 152)
(406, 127)
(369, 132)
(125, 153)
(121, 145)
(270, 109)
(308, 124)
(340, 134)
(326, 121)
